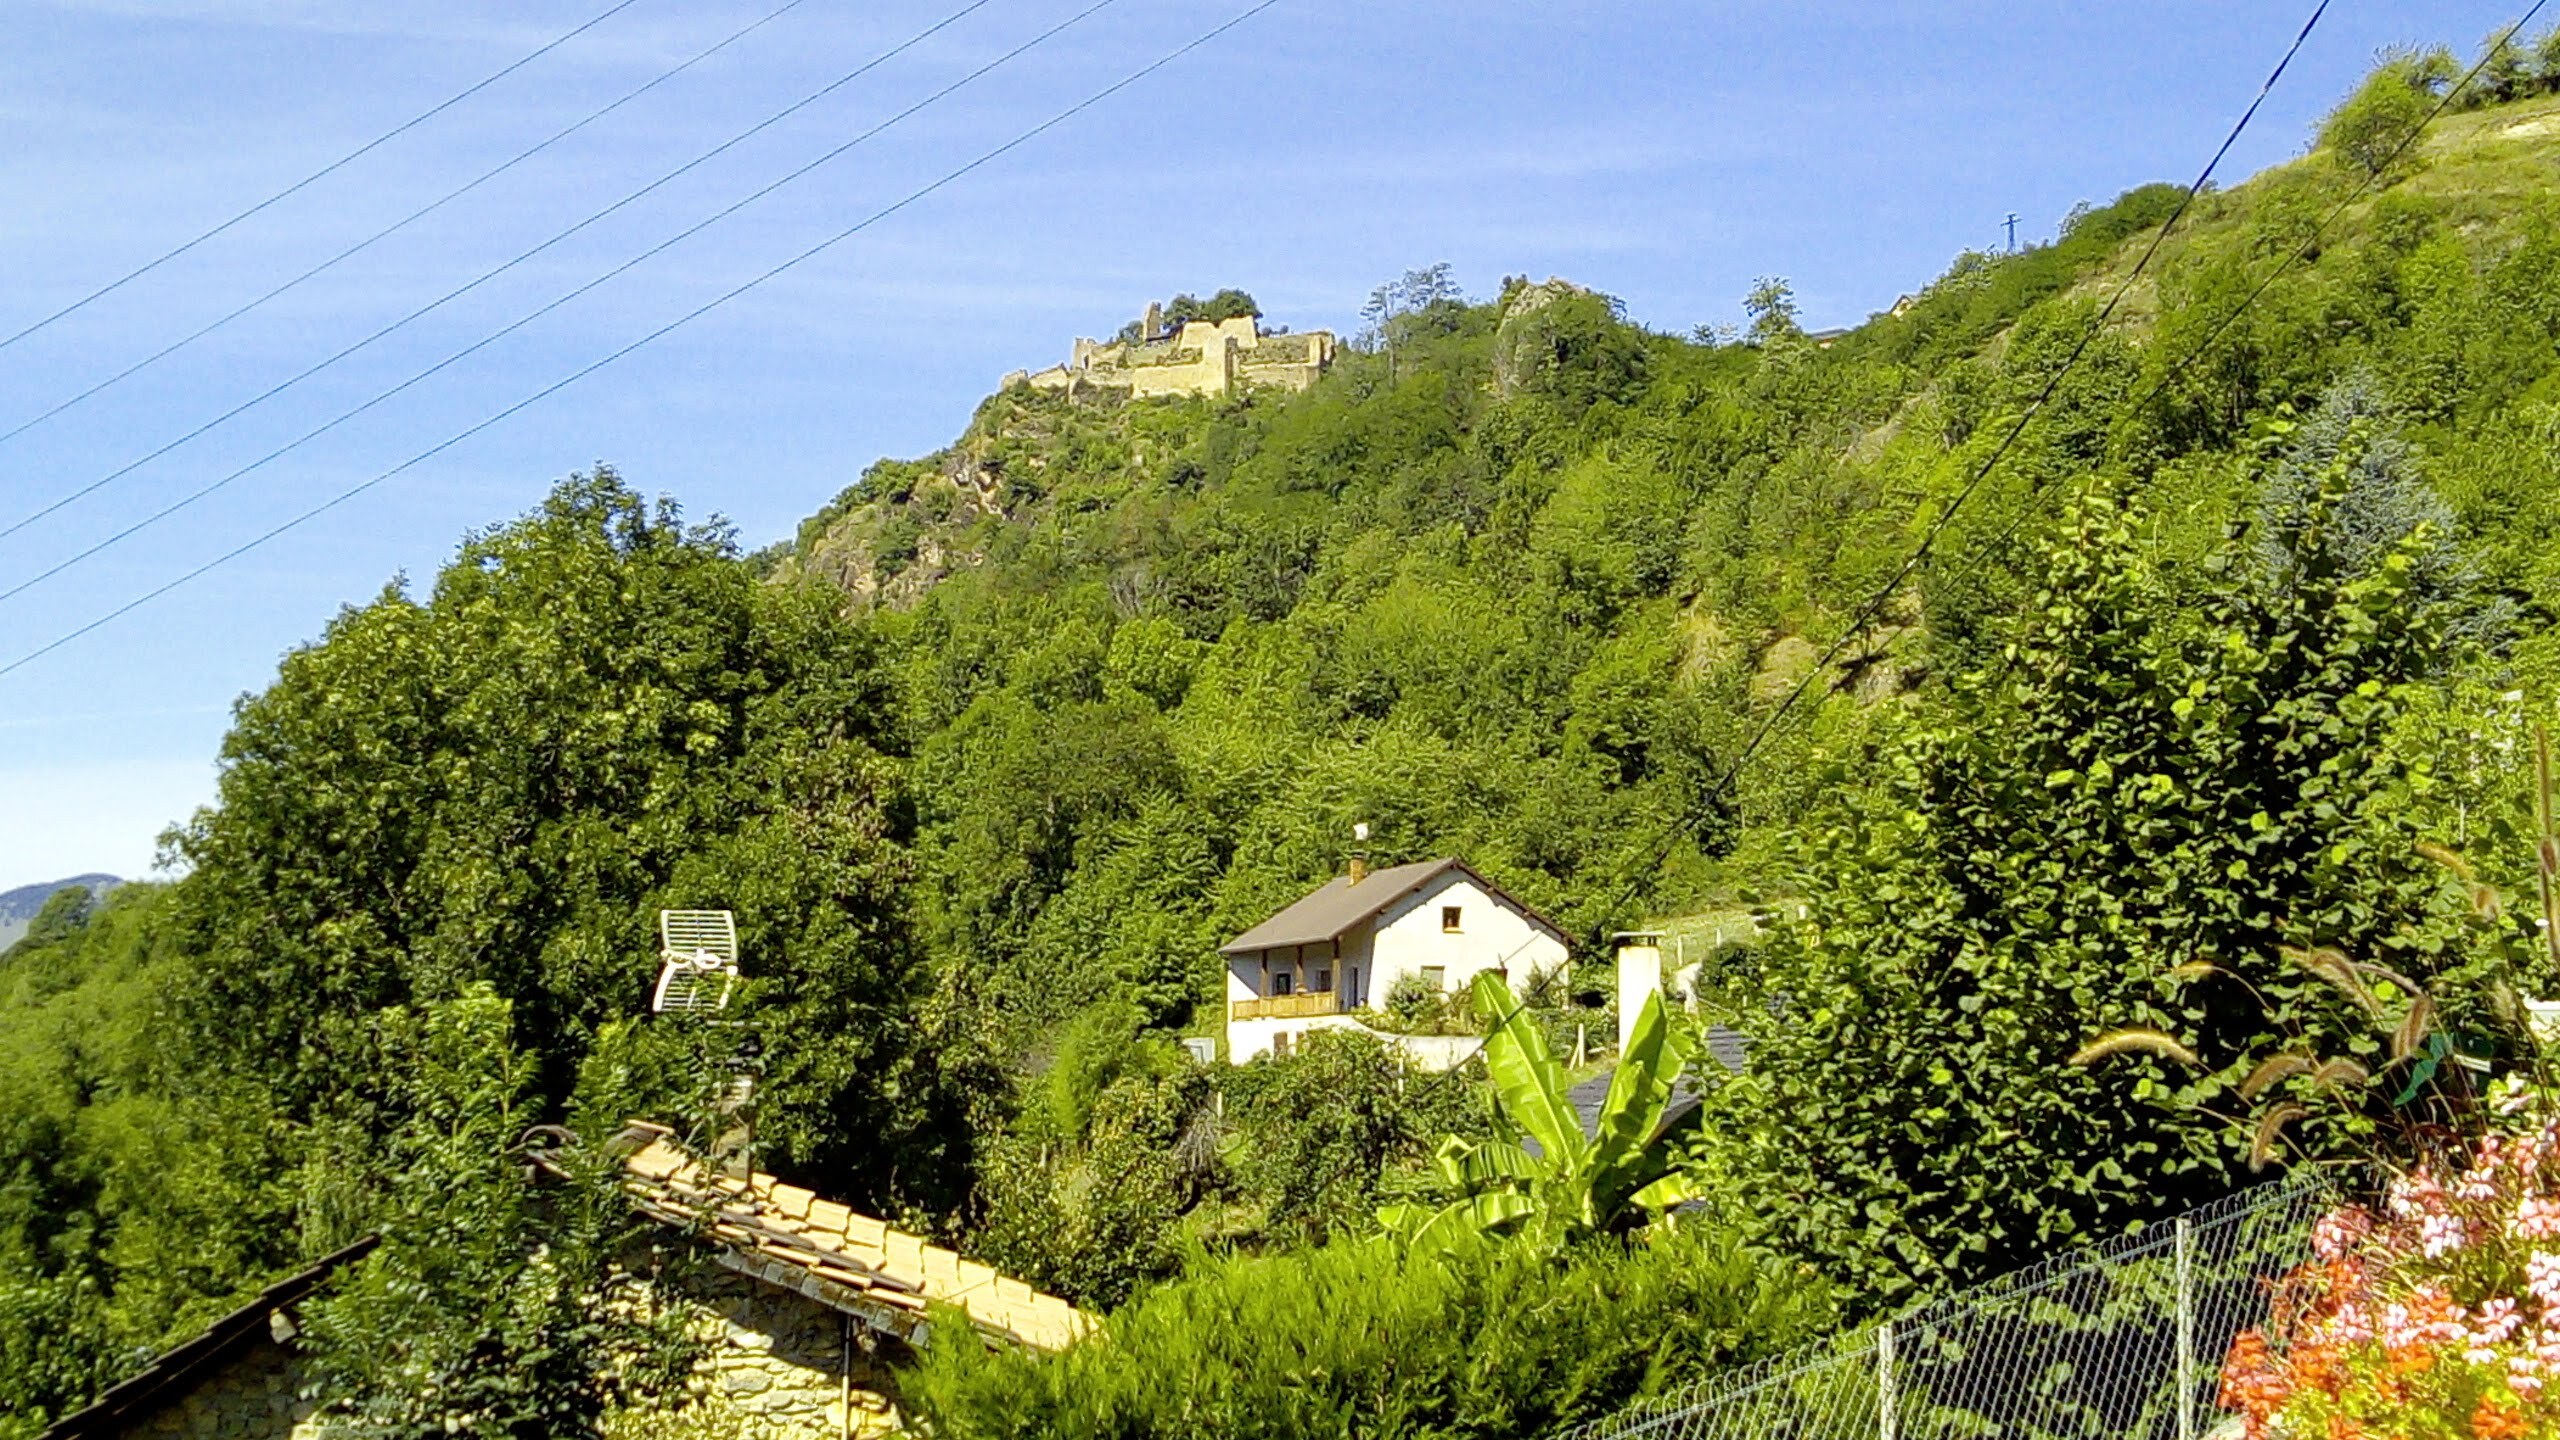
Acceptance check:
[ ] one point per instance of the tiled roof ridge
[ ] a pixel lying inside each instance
(790, 1236)
(1340, 903)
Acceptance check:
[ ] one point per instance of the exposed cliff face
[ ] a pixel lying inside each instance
(909, 524)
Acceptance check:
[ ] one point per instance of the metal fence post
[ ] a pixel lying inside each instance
(2186, 1334)
(1886, 1426)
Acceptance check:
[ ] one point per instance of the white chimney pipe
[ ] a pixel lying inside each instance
(1639, 977)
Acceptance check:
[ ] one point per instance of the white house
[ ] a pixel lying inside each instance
(1347, 944)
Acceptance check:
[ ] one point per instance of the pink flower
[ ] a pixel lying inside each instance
(2416, 1195)
(2542, 1279)
(2441, 1235)
(2338, 1232)
(2538, 1218)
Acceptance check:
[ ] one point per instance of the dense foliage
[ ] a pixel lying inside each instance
(1355, 1339)
(991, 756)
(2165, 769)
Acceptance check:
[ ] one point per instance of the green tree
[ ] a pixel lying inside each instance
(2161, 770)
(1771, 304)
(598, 712)
(486, 1308)
(2373, 131)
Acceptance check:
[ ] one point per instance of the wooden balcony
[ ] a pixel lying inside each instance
(1287, 1007)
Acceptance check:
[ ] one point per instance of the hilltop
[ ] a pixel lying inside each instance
(19, 906)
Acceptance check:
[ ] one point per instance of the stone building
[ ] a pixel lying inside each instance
(800, 1316)
(1200, 357)
(240, 1379)
(817, 1299)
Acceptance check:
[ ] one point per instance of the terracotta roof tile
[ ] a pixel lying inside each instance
(788, 1237)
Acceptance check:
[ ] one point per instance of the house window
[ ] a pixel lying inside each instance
(1280, 1045)
(1449, 919)
(1324, 980)
(1283, 983)
(1436, 976)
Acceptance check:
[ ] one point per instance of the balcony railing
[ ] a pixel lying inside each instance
(1288, 1007)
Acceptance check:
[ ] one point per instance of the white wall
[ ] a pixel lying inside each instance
(1490, 933)
(1251, 1039)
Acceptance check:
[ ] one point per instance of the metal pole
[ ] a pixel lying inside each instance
(847, 1396)
(2186, 1334)
(1887, 1427)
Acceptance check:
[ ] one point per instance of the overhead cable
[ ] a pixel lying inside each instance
(486, 276)
(396, 226)
(367, 148)
(1867, 613)
(1884, 594)
(2309, 247)
(876, 216)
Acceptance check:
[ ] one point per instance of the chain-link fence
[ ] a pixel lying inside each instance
(2123, 1339)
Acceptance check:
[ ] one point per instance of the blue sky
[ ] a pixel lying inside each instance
(1665, 153)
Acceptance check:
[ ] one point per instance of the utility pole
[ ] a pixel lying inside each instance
(2012, 223)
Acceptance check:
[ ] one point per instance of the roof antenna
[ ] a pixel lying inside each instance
(698, 961)
(697, 975)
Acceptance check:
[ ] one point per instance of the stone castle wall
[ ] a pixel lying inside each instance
(1205, 358)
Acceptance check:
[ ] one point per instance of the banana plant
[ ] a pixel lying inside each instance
(1540, 1175)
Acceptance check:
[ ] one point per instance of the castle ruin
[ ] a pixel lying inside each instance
(1200, 357)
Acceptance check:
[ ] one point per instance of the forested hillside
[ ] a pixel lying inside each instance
(993, 754)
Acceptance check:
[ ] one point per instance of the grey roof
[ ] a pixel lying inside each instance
(1590, 1097)
(1337, 906)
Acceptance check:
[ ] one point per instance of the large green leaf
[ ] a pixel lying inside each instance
(1526, 1076)
(1473, 1165)
(1476, 1215)
(1677, 1188)
(1648, 1067)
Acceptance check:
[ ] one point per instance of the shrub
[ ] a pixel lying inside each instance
(1415, 1002)
(2371, 132)
(2159, 772)
(1355, 1339)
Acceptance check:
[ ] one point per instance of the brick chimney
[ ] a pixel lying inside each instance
(1359, 858)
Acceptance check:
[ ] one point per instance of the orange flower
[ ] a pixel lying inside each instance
(2491, 1420)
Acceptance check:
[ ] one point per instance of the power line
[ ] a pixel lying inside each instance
(486, 276)
(537, 313)
(1867, 613)
(947, 178)
(1884, 594)
(324, 171)
(2310, 246)
(396, 226)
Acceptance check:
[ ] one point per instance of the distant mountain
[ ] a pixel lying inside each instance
(19, 906)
